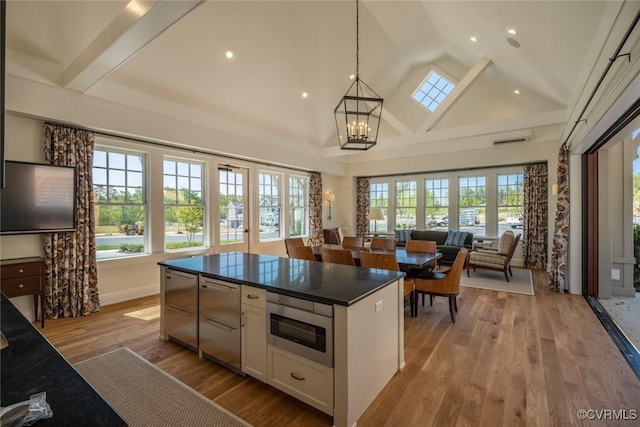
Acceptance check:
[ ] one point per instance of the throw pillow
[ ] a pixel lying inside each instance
(402, 236)
(456, 238)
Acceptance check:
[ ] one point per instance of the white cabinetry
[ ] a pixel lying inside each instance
(254, 332)
(301, 378)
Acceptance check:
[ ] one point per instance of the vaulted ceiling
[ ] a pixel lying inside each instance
(169, 56)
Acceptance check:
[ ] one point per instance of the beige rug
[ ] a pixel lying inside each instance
(520, 283)
(146, 396)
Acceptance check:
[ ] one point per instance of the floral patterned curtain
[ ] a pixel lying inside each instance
(315, 209)
(560, 249)
(71, 270)
(536, 211)
(362, 206)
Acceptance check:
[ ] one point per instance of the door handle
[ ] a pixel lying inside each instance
(251, 296)
(219, 325)
(246, 230)
(179, 309)
(219, 286)
(296, 377)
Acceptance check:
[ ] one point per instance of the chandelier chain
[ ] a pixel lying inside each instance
(357, 38)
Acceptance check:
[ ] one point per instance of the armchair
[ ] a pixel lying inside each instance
(495, 259)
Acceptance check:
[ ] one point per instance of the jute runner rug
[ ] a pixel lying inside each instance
(520, 283)
(146, 396)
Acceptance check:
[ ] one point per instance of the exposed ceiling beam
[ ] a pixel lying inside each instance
(137, 24)
(464, 84)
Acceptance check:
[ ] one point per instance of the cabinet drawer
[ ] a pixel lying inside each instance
(20, 270)
(20, 286)
(303, 379)
(254, 296)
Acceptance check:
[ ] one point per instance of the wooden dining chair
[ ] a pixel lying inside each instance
(337, 256)
(353, 242)
(388, 261)
(302, 252)
(380, 243)
(293, 241)
(443, 284)
(423, 246)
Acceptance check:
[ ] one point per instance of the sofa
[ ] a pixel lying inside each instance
(449, 251)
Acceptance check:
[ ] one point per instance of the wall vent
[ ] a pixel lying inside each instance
(513, 137)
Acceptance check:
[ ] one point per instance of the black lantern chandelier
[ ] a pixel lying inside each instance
(358, 112)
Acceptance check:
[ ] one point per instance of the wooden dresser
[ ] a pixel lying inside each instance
(24, 276)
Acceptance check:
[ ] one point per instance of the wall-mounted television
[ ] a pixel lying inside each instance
(37, 198)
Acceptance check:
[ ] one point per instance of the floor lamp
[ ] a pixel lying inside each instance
(375, 214)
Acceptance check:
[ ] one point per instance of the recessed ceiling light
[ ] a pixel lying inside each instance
(513, 42)
(229, 54)
(473, 39)
(352, 76)
(305, 94)
(517, 92)
(512, 31)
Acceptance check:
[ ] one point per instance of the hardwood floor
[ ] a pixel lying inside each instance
(510, 360)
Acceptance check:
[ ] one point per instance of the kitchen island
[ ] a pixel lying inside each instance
(368, 318)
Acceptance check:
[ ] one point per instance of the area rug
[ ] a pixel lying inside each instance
(520, 283)
(146, 396)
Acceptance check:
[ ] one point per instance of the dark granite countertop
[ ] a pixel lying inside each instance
(315, 281)
(30, 364)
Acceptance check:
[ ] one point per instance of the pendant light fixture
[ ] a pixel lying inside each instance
(358, 112)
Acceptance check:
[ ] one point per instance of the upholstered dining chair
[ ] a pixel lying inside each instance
(445, 284)
(338, 256)
(293, 241)
(353, 242)
(388, 261)
(380, 243)
(498, 259)
(423, 246)
(302, 252)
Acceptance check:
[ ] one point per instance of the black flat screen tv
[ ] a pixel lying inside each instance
(37, 198)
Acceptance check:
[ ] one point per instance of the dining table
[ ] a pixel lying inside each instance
(406, 260)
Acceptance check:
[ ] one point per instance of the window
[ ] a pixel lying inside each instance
(231, 198)
(510, 201)
(436, 195)
(119, 187)
(298, 206)
(183, 204)
(269, 201)
(472, 202)
(406, 204)
(433, 91)
(379, 198)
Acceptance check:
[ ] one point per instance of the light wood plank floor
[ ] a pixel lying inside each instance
(510, 360)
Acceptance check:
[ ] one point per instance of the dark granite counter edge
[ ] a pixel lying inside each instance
(303, 295)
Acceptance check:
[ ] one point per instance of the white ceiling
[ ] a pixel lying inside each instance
(176, 50)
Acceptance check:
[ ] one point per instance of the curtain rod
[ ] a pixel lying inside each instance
(452, 170)
(176, 147)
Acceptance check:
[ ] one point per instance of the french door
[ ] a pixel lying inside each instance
(234, 209)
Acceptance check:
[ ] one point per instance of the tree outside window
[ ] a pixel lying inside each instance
(184, 207)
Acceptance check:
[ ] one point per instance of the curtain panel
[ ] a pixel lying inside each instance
(560, 248)
(71, 271)
(362, 206)
(315, 209)
(536, 214)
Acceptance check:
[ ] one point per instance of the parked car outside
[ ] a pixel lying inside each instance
(516, 222)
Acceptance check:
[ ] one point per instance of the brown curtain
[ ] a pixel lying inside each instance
(362, 206)
(315, 209)
(536, 213)
(560, 248)
(71, 270)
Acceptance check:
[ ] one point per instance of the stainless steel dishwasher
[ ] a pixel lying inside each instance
(181, 308)
(220, 322)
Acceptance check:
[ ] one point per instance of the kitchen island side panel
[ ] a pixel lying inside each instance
(369, 351)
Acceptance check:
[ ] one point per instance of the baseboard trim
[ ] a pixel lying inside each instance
(129, 294)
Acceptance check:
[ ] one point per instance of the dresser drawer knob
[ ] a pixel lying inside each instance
(20, 286)
(21, 271)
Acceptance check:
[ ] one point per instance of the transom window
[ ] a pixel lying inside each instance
(183, 204)
(120, 203)
(433, 91)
